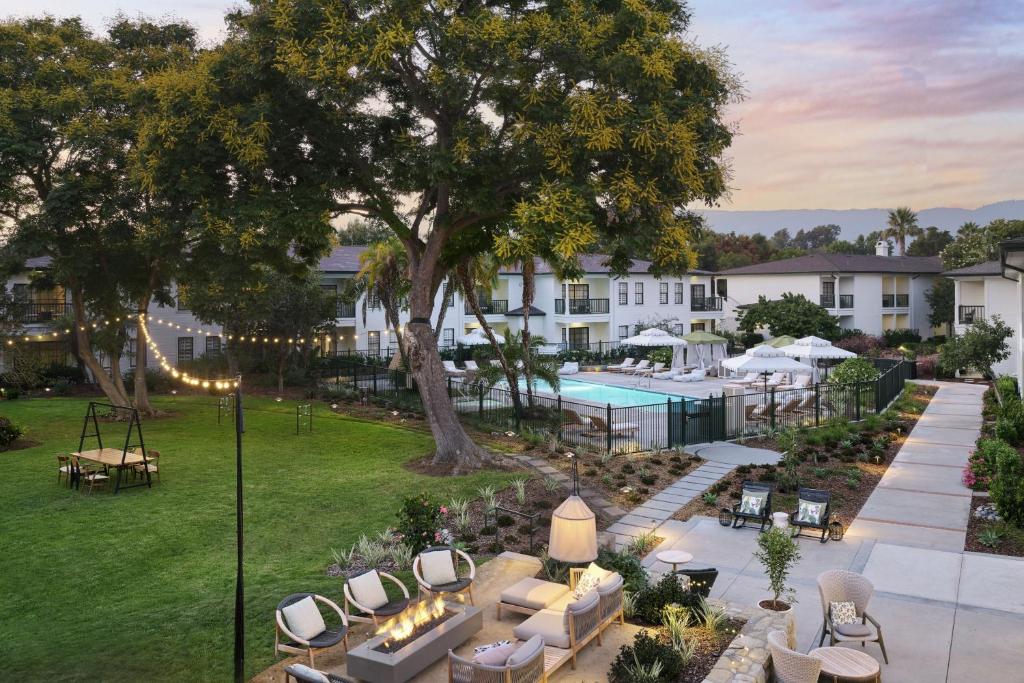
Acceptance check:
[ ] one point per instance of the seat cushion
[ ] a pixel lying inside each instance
(533, 593)
(391, 608)
(437, 567)
(866, 631)
(609, 583)
(453, 587)
(548, 624)
(303, 618)
(495, 656)
(585, 603)
(327, 638)
(367, 590)
(526, 651)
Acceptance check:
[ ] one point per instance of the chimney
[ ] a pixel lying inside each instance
(882, 248)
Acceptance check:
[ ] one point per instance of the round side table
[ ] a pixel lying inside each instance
(674, 557)
(846, 664)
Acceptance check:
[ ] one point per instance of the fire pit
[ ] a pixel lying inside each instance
(409, 643)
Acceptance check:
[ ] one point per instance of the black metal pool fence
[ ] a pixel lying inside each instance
(677, 421)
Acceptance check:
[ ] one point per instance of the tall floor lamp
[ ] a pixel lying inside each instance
(573, 527)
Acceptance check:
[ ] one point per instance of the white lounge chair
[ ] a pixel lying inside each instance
(639, 367)
(621, 367)
(569, 368)
(750, 378)
(451, 370)
(472, 366)
(618, 429)
(657, 367)
(667, 374)
(697, 375)
(778, 379)
(799, 382)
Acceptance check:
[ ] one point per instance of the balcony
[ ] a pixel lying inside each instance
(40, 312)
(492, 307)
(706, 303)
(968, 315)
(895, 301)
(345, 310)
(846, 301)
(828, 300)
(582, 306)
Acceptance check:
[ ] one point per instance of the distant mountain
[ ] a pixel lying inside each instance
(854, 222)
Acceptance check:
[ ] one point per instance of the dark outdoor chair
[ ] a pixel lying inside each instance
(762, 516)
(303, 674)
(701, 580)
(285, 640)
(812, 496)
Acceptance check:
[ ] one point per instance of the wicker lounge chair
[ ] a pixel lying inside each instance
(304, 674)
(753, 492)
(303, 627)
(789, 665)
(437, 571)
(365, 592)
(839, 585)
(617, 429)
(813, 510)
(525, 665)
(623, 366)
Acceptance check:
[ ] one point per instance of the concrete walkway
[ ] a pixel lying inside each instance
(921, 501)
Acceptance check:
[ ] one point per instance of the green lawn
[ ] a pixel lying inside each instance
(140, 586)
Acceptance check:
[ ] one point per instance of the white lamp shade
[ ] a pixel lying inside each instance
(573, 532)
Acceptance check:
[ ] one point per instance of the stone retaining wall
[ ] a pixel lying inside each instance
(746, 660)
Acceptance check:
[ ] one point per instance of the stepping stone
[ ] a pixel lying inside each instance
(669, 497)
(613, 511)
(652, 513)
(624, 529)
(662, 505)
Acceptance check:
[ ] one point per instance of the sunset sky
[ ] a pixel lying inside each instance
(849, 104)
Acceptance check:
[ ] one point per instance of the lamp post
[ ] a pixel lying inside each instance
(573, 527)
(239, 579)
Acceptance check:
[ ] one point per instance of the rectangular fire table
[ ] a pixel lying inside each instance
(419, 652)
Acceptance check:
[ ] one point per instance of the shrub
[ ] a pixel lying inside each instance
(9, 432)
(650, 602)
(634, 576)
(853, 370)
(860, 343)
(894, 338)
(58, 372)
(662, 354)
(645, 651)
(1007, 486)
(982, 465)
(419, 522)
(157, 381)
(778, 553)
(1007, 387)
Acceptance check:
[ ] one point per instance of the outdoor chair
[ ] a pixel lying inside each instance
(750, 378)
(756, 412)
(531, 595)
(568, 625)
(648, 372)
(451, 370)
(671, 373)
(806, 404)
(639, 367)
(366, 593)
(701, 580)
(799, 382)
(814, 506)
(437, 571)
(569, 368)
(777, 379)
(789, 665)
(524, 665)
(87, 475)
(64, 467)
(571, 420)
(299, 620)
(837, 586)
(616, 429)
(755, 505)
(303, 674)
(471, 366)
(697, 375)
(623, 366)
(788, 407)
(151, 464)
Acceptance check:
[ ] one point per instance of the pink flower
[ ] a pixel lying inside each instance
(437, 536)
(444, 510)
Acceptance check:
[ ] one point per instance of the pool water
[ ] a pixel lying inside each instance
(574, 390)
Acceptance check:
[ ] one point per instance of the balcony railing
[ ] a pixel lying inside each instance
(828, 300)
(492, 307)
(895, 300)
(587, 306)
(36, 312)
(846, 301)
(346, 310)
(706, 303)
(968, 315)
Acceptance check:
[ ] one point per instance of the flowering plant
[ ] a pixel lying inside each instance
(420, 521)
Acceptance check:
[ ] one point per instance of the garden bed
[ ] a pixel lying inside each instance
(847, 459)
(993, 537)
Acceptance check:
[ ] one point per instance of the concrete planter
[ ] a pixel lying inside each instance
(747, 659)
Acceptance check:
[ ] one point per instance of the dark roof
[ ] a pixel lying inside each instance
(842, 263)
(342, 260)
(986, 268)
(533, 311)
(38, 262)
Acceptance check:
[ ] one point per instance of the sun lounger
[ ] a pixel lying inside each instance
(618, 429)
(695, 376)
(569, 368)
(621, 367)
(799, 382)
(647, 372)
(667, 374)
(472, 366)
(777, 379)
(750, 378)
(571, 420)
(451, 370)
(642, 365)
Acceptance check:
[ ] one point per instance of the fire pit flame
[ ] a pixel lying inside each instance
(411, 621)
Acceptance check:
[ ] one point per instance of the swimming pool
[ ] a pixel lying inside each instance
(574, 390)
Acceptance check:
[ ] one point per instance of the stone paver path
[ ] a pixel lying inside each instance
(921, 501)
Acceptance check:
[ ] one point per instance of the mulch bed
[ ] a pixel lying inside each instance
(513, 531)
(1004, 538)
(19, 445)
(709, 648)
(850, 479)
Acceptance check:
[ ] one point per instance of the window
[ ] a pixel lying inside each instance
(662, 293)
(448, 336)
(577, 292)
(623, 293)
(20, 292)
(697, 327)
(579, 337)
(563, 335)
(182, 306)
(723, 287)
(679, 292)
(212, 345)
(372, 301)
(679, 328)
(638, 294)
(184, 349)
(697, 292)
(373, 343)
(623, 332)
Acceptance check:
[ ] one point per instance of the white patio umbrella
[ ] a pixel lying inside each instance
(764, 359)
(476, 337)
(812, 348)
(656, 337)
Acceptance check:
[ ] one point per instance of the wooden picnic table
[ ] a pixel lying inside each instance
(115, 457)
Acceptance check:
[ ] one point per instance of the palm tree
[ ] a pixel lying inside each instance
(901, 225)
(384, 275)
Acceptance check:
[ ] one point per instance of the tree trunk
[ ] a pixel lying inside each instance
(282, 357)
(115, 374)
(142, 403)
(449, 292)
(529, 268)
(85, 354)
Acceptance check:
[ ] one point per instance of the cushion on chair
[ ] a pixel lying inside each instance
(328, 638)
(588, 580)
(304, 619)
(367, 589)
(437, 567)
(810, 512)
(610, 584)
(548, 624)
(495, 656)
(533, 593)
(581, 605)
(526, 651)
(391, 608)
(843, 613)
(306, 674)
(752, 503)
(855, 630)
(453, 587)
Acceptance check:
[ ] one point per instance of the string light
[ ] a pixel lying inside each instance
(205, 383)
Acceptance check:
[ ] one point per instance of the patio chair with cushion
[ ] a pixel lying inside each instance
(88, 475)
(799, 382)
(503, 664)
(304, 674)
(844, 602)
(569, 368)
(750, 378)
(600, 426)
(569, 624)
(63, 467)
(813, 510)
(571, 420)
(778, 379)
(437, 571)
(531, 595)
(366, 593)
(625, 364)
(755, 504)
(299, 620)
(789, 665)
(151, 464)
(471, 366)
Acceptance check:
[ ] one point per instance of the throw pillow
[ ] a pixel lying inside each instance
(588, 580)
(304, 619)
(368, 590)
(751, 503)
(843, 612)
(809, 512)
(437, 567)
(495, 656)
(304, 673)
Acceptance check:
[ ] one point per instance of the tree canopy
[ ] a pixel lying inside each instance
(792, 314)
(979, 348)
(975, 244)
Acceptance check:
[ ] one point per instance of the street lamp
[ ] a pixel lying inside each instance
(573, 527)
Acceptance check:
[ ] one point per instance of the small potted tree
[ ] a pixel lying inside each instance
(778, 553)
